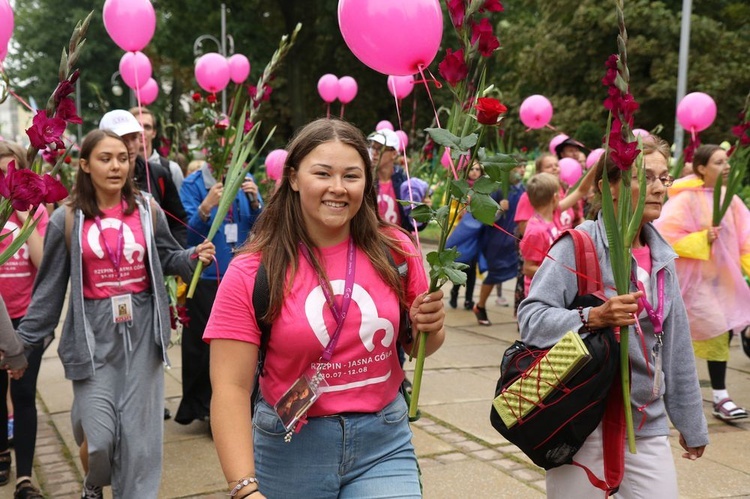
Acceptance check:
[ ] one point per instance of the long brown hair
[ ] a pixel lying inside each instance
(83, 195)
(279, 229)
(15, 151)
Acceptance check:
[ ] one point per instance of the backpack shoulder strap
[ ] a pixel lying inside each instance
(261, 301)
(69, 213)
(587, 263)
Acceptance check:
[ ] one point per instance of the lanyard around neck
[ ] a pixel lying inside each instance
(114, 256)
(338, 315)
(656, 316)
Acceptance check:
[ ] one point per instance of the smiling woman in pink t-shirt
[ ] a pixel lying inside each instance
(329, 419)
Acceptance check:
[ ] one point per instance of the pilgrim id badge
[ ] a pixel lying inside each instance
(122, 308)
(230, 233)
(294, 404)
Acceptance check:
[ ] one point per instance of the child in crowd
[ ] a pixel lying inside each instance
(541, 230)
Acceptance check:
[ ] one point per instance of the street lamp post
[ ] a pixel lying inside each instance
(682, 72)
(221, 45)
(117, 88)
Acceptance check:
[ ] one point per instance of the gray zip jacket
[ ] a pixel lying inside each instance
(76, 348)
(544, 319)
(11, 346)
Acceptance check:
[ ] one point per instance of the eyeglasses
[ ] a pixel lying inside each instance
(378, 147)
(666, 180)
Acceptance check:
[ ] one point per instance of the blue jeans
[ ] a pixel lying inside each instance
(351, 455)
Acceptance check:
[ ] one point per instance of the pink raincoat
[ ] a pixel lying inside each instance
(713, 287)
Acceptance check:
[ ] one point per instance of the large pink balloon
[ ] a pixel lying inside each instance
(212, 72)
(135, 69)
(400, 86)
(403, 139)
(328, 87)
(347, 89)
(394, 37)
(7, 23)
(593, 157)
(555, 141)
(239, 68)
(570, 170)
(130, 23)
(275, 163)
(383, 124)
(149, 92)
(536, 111)
(696, 111)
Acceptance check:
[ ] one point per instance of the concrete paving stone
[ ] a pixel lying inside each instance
(721, 474)
(67, 489)
(453, 437)
(51, 458)
(426, 444)
(51, 480)
(437, 429)
(195, 458)
(451, 457)
(472, 418)
(540, 484)
(454, 386)
(423, 422)
(525, 474)
(48, 449)
(507, 464)
(473, 479)
(485, 454)
(60, 467)
(47, 440)
(469, 446)
(428, 462)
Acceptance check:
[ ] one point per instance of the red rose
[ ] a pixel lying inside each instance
(67, 160)
(197, 97)
(483, 38)
(211, 98)
(453, 68)
(489, 110)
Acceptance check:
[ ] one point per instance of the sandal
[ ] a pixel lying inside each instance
(25, 490)
(745, 336)
(5, 461)
(720, 411)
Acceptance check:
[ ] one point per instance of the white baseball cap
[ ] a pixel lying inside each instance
(386, 137)
(121, 122)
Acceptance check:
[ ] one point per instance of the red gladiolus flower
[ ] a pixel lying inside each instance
(66, 87)
(66, 110)
(55, 191)
(453, 68)
(211, 98)
(624, 153)
(492, 6)
(24, 188)
(197, 97)
(457, 11)
(248, 126)
(45, 131)
(49, 157)
(489, 110)
(483, 38)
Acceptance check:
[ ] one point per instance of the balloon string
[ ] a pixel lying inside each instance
(434, 109)
(20, 99)
(341, 116)
(402, 150)
(328, 110)
(143, 132)
(413, 116)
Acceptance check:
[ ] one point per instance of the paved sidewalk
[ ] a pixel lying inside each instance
(460, 454)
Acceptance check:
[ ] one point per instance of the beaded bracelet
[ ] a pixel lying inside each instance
(585, 323)
(242, 483)
(251, 493)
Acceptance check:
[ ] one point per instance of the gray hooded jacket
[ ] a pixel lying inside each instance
(60, 265)
(544, 319)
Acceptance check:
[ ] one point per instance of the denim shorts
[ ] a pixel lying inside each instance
(351, 455)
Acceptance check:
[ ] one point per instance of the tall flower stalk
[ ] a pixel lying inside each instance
(623, 222)
(234, 158)
(739, 156)
(471, 113)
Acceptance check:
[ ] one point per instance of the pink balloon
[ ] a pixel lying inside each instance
(383, 124)
(446, 160)
(400, 86)
(275, 163)
(7, 23)
(149, 92)
(570, 170)
(536, 111)
(696, 111)
(403, 139)
(130, 23)
(593, 157)
(641, 132)
(394, 37)
(3, 53)
(135, 69)
(212, 72)
(555, 141)
(239, 68)
(328, 87)
(347, 89)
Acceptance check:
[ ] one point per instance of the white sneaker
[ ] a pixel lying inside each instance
(501, 301)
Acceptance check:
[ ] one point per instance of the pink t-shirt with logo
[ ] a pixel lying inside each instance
(387, 204)
(100, 279)
(17, 274)
(536, 242)
(563, 219)
(364, 373)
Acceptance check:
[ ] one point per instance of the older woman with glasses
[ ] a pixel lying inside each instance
(711, 268)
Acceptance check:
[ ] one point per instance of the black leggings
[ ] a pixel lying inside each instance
(717, 371)
(23, 395)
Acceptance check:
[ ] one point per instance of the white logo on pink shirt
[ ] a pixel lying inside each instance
(14, 229)
(131, 247)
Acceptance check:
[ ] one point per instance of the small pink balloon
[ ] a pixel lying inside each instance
(212, 72)
(593, 157)
(347, 89)
(400, 86)
(7, 23)
(275, 163)
(149, 92)
(446, 159)
(130, 23)
(536, 111)
(328, 87)
(239, 68)
(135, 69)
(555, 141)
(641, 132)
(570, 170)
(383, 124)
(394, 37)
(403, 139)
(696, 111)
